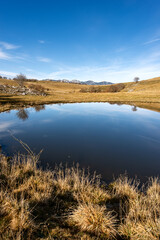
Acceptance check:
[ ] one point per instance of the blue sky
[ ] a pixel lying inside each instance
(111, 40)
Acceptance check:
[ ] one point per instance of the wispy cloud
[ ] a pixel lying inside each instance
(4, 55)
(4, 126)
(12, 74)
(119, 50)
(4, 47)
(152, 41)
(146, 66)
(118, 70)
(8, 46)
(41, 41)
(115, 70)
(43, 59)
(29, 70)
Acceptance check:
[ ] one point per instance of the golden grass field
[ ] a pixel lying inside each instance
(69, 203)
(144, 94)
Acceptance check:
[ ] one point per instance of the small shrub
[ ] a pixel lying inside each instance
(91, 89)
(95, 89)
(98, 89)
(84, 90)
(38, 88)
(115, 87)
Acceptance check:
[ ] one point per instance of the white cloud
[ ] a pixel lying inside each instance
(8, 46)
(116, 72)
(4, 55)
(41, 41)
(43, 59)
(119, 50)
(152, 41)
(29, 70)
(145, 67)
(12, 74)
(120, 71)
(4, 46)
(4, 126)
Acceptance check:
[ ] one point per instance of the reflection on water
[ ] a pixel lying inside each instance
(134, 108)
(106, 137)
(39, 108)
(24, 114)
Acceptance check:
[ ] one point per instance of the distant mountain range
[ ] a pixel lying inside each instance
(89, 82)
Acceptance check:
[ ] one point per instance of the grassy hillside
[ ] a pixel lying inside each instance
(150, 85)
(143, 94)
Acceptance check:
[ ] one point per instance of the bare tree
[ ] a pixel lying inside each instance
(136, 79)
(20, 79)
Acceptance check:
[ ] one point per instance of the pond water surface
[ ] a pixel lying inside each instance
(109, 139)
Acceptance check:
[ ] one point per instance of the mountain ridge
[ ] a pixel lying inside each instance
(88, 82)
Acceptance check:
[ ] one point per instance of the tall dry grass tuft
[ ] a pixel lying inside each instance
(124, 187)
(18, 212)
(142, 221)
(39, 187)
(20, 184)
(95, 219)
(82, 185)
(140, 230)
(153, 195)
(17, 217)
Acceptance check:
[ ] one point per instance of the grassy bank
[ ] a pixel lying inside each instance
(69, 203)
(144, 94)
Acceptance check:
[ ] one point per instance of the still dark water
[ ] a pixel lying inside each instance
(110, 139)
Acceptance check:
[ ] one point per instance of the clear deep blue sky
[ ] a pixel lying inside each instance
(112, 40)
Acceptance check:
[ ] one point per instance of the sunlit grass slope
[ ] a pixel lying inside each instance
(144, 94)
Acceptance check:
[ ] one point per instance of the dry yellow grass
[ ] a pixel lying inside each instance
(147, 230)
(17, 212)
(142, 220)
(124, 187)
(95, 219)
(69, 203)
(85, 188)
(143, 94)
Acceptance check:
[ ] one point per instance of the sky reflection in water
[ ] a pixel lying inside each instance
(110, 139)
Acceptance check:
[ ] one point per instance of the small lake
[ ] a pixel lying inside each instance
(109, 139)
